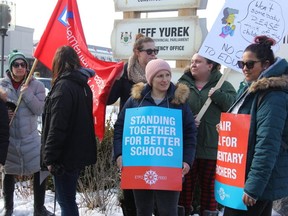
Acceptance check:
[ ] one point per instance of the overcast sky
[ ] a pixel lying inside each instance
(97, 17)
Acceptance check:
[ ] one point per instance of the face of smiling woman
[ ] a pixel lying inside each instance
(253, 73)
(161, 81)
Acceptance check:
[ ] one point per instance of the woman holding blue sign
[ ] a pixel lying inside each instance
(265, 98)
(164, 141)
(144, 50)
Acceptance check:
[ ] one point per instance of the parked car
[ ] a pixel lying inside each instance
(47, 84)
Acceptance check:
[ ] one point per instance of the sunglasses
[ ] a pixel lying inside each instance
(248, 64)
(16, 64)
(150, 51)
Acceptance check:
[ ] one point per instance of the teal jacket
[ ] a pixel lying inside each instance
(266, 100)
(222, 99)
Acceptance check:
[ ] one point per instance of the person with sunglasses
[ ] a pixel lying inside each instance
(265, 98)
(23, 158)
(201, 77)
(144, 50)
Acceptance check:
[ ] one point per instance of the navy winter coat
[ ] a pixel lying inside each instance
(175, 99)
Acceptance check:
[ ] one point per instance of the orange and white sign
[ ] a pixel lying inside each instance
(231, 159)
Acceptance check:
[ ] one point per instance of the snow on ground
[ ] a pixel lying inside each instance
(23, 206)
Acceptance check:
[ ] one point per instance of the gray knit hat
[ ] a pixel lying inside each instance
(14, 55)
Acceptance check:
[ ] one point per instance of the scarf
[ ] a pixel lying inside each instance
(135, 72)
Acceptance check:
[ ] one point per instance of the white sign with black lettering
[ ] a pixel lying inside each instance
(176, 37)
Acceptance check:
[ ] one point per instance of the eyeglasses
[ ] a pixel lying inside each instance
(16, 64)
(249, 64)
(150, 51)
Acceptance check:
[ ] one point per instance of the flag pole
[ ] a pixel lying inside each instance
(208, 101)
(26, 82)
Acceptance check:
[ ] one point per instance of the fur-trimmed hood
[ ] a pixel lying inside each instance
(271, 82)
(275, 76)
(178, 94)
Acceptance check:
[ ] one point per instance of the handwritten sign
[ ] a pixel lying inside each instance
(231, 159)
(238, 24)
(152, 149)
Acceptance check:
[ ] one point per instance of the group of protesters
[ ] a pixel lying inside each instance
(67, 143)
(263, 96)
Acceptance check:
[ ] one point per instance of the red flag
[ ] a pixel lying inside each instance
(65, 28)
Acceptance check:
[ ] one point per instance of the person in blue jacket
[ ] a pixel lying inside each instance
(265, 98)
(159, 91)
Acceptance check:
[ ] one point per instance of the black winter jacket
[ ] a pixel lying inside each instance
(121, 89)
(4, 131)
(68, 137)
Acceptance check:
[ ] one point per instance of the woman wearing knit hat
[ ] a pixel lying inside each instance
(144, 50)
(159, 92)
(23, 157)
(201, 78)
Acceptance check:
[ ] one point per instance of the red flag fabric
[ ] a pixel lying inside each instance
(65, 28)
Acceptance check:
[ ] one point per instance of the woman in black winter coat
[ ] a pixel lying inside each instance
(68, 139)
(4, 129)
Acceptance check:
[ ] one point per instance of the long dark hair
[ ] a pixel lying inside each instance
(65, 59)
(262, 48)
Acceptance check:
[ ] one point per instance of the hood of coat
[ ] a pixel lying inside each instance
(178, 94)
(79, 76)
(276, 76)
(190, 80)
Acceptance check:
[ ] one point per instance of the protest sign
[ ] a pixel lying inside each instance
(237, 25)
(152, 149)
(231, 159)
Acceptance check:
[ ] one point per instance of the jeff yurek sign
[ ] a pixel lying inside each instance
(176, 37)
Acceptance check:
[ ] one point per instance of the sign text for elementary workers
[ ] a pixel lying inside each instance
(231, 159)
(230, 156)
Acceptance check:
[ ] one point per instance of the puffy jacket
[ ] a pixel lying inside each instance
(23, 156)
(266, 100)
(68, 137)
(176, 99)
